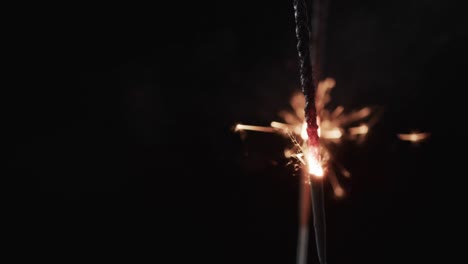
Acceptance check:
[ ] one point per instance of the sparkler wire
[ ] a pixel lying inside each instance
(303, 34)
(318, 213)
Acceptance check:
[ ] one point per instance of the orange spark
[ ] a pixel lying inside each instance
(414, 137)
(240, 127)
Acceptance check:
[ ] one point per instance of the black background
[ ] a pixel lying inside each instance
(128, 130)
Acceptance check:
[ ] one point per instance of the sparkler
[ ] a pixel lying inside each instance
(305, 133)
(335, 126)
(312, 152)
(312, 129)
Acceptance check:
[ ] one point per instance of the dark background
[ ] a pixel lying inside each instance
(128, 130)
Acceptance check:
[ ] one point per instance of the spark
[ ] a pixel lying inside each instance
(359, 130)
(240, 127)
(414, 137)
